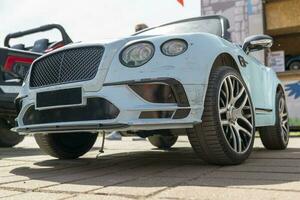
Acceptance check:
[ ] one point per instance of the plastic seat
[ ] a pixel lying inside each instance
(18, 46)
(40, 45)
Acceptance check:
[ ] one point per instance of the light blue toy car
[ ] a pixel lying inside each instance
(181, 78)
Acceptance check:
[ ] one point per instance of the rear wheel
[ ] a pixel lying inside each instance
(277, 137)
(226, 134)
(8, 138)
(163, 141)
(66, 145)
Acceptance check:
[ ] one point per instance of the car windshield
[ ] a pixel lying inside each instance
(212, 26)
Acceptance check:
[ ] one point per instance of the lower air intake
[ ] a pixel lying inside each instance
(95, 109)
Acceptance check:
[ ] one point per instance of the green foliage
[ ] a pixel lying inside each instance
(294, 122)
(295, 134)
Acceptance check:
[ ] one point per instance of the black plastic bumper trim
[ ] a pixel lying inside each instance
(182, 113)
(95, 109)
(72, 128)
(263, 110)
(177, 88)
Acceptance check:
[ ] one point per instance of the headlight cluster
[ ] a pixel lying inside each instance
(174, 47)
(137, 54)
(140, 53)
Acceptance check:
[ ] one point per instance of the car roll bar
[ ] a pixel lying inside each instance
(65, 37)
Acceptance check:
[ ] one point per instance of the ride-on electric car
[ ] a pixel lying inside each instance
(15, 61)
(181, 78)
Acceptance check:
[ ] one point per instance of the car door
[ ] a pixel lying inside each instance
(256, 75)
(260, 83)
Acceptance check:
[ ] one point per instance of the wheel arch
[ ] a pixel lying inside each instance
(279, 88)
(225, 59)
(276, 88)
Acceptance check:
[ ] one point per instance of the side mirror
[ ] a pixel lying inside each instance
(257, 43)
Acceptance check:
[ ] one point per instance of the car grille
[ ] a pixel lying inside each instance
(66, 66)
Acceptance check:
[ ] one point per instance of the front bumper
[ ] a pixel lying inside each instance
(185, 111)
(139, 109)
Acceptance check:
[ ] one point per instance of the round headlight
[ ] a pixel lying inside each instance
(174, 47)
(137, 54)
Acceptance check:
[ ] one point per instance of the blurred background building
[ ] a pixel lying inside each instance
(246, 17)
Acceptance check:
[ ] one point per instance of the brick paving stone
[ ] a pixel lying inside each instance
(254, 175)
(285, 154)
(280, 185)
(28, 184)
(101, 181)
(220, 193)
(32, 169)
(7, 163)
(187, 171)
(276, 186)
(29, 158)
(273, 169)
(98, 197)
(12, 178)
(273, 162)
(142, 186)
(38, 195)
(7, 193)
(59, 179)
(89, 184)
(33, 172)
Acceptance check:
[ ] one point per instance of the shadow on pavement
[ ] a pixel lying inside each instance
(19, 151)
(166, 169)
(16, 152)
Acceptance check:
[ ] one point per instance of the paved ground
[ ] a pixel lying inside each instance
(135, 170)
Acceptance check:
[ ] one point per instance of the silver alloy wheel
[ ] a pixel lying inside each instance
(283, 118)
(236, 114)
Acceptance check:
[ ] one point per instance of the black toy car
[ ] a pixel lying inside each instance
(15, 61)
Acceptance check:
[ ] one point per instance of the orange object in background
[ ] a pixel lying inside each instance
(181, 2)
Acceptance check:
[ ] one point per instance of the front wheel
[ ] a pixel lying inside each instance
(66, 145)
(277, 137)
(226, 134)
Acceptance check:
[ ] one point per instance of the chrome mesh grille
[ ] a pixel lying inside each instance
(66, 66)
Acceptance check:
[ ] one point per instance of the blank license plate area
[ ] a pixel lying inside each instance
(63, 97)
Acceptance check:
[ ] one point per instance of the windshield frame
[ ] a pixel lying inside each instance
(224, 23)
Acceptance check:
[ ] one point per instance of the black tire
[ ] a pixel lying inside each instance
(66, 145)
(209, 139)
(276, 137)
(294, 65)
(163, 141)
(8, 138)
